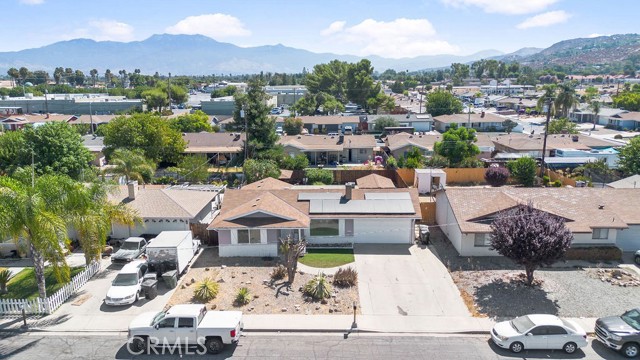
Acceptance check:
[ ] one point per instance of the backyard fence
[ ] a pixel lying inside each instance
(53, 302)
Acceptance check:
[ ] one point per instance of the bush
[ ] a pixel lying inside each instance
(318, 287)
(471, 162)
(546, 180)
(618, 137)
(5, 274)
(392, 163)
(557, 183)
(243, 297)
(279, 272)
(298, 162)
(437, 161)
(496, 176)
(323, 176)
(600, 253)
(206, 289)
(346, 277)
(523, 170)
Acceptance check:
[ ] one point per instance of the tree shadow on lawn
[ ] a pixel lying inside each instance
(502, 299)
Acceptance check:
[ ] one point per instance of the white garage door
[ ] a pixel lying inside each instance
(629, 239)
(382, 231)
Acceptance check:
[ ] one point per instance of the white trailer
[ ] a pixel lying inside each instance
(171, 250)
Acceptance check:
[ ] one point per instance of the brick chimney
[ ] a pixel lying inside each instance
(349, 190)
(132, 186)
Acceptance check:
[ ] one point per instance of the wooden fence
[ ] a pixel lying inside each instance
(428, 210)
(53, 302)
(553, 176)
(465, 175)
(207, 237)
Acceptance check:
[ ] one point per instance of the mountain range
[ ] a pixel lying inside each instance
(201, 55)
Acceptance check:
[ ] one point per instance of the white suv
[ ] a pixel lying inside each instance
(126, 288)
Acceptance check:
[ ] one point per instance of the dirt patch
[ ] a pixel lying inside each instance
(617, 277)
(267, 297)
(81, 299)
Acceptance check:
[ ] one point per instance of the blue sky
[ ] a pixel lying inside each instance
(391, 28)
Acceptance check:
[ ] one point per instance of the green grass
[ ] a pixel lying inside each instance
(23, 285)
(327, 258)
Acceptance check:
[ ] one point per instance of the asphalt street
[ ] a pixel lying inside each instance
(287, 346)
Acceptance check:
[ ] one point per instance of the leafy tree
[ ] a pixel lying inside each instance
(132, 164)
(591, 93)
(226, 91)
(192, 123)
(319, 176)
(397, 87)
(255, 170)
(523, 170)
(360, 83)
(562, 126)
(457, 144)
(57, 148)
(380, 100)
(193, 168)
(298, 162)
(94, 76)
(261, 131)
(629, 157)
(14, 74)
(459, 72)
(384, 122)
(595, 107)
(145, 131)
(437, 161)
(442, 103)
(496, 176)
(413, 159)
(328, 78)
(13, 151)
(627, 100)
(509, 125)
(155, 99)
(292, 126)
(471, 162)
(530, 237)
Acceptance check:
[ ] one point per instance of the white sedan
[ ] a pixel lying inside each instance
(539, 332)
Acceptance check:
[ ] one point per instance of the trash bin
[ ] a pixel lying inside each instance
(170, 279)
(150, 288)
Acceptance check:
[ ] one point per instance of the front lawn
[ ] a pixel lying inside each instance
(23, 285)
(327, 258)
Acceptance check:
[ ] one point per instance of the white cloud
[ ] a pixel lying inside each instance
(394, 39)
(511, 7)
(595, 35)
(545, 19)
(216, 26)
(335, 27)
(103, 30)
(32, 2)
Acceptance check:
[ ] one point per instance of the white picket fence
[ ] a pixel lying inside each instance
(53, 302)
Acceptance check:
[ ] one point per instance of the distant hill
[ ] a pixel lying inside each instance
(198, 55)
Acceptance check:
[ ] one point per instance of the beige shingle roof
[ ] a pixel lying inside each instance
(523, 142)
(329, 120)
(400, 140)
(329, 143)
(375, 181)
(154, 202)
(464, 118)
(206, 142)
(267, 184)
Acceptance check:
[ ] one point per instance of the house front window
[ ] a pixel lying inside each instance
(600, 234)
(250, 236)
(481, 240)
(324, 227)
(285, 233)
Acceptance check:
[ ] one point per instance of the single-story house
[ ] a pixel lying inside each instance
(375, 181)
(96, 120)
(331, 123)
(251, 222)
(516, 103)
(596, 217)
(631, 182)
(399, 145)
(584, 114)
(628, 120)
(330, 149)
(481, 122)
(532, 144)
(221, 147)
(608, 155)
(95, 144)
(165, 208)
(419, 122)
(16, 122)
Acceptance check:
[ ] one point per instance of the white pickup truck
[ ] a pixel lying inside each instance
(185, 326)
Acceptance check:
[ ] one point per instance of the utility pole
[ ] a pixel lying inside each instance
(91, 118)
(169, 91)
(46, 102)
(469, 116)
(246, 133)
(420, 106)
(33, 170)
(546, 130)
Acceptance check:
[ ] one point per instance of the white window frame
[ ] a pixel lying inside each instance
(250, 231)
(600, 234)
(486, 240)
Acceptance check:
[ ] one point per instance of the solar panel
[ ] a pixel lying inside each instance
(320, 196)
(387, 196)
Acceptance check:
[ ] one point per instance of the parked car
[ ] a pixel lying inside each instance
(621, 333)
(539, 332)
(637, 257)
(348, 130)
(126, 288)
(275, 111)
(190, 325)
(130, 250)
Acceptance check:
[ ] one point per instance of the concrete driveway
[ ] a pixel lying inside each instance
(85, 311)
(405, 280)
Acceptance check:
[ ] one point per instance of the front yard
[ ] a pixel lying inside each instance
(267, 297)
(327, 258)
(23, 285)
(492, 286)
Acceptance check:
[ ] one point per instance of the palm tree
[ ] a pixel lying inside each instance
(94, 76)
(132, 164)
(35, 215)
(549, 93)
(14, 74)
(595, 107)
(565, 99)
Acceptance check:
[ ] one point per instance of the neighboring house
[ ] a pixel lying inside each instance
(221, 147)
(631, 182)
(608, 155)
(251, 222)
(399, 145)
(331, 149)
(596, 217)
(532, 144)
(164, 208)
(584, 114)
(96, 120)
(481, 122)
(516, 103)
(330, 123)
(95, 144)
(375, 181)
(16, 122)
(226, 105)
(628, 120)
(419, 122)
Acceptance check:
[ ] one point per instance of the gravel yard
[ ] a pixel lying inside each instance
(268, 298)
(569, 289)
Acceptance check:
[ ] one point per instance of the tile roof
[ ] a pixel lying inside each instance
(267, 184)
(206, 142)
(580, 206)
(159, 202)
(464, 118)
(375, 181)
(328, 143)
(524, 142)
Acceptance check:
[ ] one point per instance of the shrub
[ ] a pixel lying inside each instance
(206, 289)
(471, 162)
(496, 176)
(243, 297)
(392, 163)
(523, 170)
(617, 137)
(5, 274)
(546, 179)
(323, 176)
(437, 161)
(600, 253)
(345, 277)
(279, 272)
(318, 287)
(557, 183)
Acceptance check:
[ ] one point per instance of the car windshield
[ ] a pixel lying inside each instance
(129, 245)
(125, 280)
(159, 316)
(522, 324)
(632, 317)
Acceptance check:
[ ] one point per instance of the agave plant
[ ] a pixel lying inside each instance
(318, 288)
(5, 274)
(206, 289)
(243, 297)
